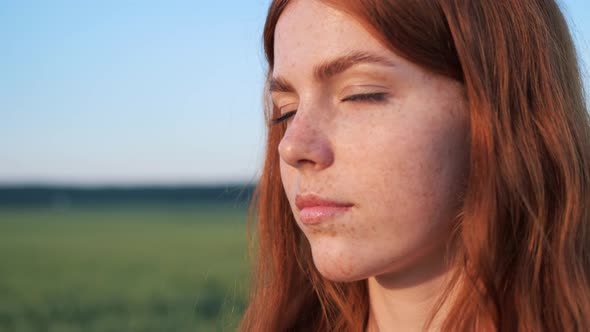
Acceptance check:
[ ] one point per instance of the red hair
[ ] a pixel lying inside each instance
(522, 242)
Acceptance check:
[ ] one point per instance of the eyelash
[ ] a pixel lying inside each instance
(367, 97)
(283, 117)
(370, 97)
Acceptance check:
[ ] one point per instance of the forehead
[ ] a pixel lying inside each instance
(310, 32)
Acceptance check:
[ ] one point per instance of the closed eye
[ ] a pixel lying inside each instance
(283, 117)
(365, 97)
(381, 96)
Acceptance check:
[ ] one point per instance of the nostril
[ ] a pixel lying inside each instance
(303, 162)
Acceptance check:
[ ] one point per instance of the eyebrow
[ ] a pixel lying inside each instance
(331, 68)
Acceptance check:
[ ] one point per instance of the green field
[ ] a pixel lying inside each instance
(122, 268)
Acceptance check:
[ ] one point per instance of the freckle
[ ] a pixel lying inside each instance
(327, 230)
(331, 231)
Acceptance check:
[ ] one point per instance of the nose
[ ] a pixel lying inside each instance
(305, 144)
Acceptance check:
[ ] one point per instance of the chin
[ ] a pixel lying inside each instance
(339, 264)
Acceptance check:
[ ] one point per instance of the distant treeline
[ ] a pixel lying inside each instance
(73, 196)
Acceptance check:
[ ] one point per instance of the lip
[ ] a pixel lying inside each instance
(314, 209)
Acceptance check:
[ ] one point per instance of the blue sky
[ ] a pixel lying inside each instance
(132, 92)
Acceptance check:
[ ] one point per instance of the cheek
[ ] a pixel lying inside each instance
(412, 168)
(407, 179)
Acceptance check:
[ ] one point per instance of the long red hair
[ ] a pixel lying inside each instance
(522, 243)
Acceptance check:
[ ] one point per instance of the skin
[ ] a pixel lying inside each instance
(400, 159)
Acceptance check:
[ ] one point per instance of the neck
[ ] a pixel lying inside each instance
(404, 301)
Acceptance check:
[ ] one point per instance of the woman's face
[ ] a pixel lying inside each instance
(374, 159)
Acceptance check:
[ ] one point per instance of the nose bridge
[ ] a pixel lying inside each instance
(306, 140)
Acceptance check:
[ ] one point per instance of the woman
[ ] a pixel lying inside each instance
(427, 168)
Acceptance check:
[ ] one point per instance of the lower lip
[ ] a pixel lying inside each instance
(316, 214)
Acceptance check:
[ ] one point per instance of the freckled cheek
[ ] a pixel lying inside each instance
(407, 168)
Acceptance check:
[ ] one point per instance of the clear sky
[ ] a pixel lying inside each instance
(134, 92)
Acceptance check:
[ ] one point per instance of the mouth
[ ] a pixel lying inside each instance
(314, 209)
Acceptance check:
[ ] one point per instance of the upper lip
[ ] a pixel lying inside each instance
(310, 200)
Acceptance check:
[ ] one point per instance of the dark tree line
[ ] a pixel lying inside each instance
(52, 195)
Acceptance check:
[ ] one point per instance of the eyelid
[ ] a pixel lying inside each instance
(285, 115)
(362, 89)
(284, 99)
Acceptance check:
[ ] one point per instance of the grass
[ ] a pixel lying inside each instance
(126, 268)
